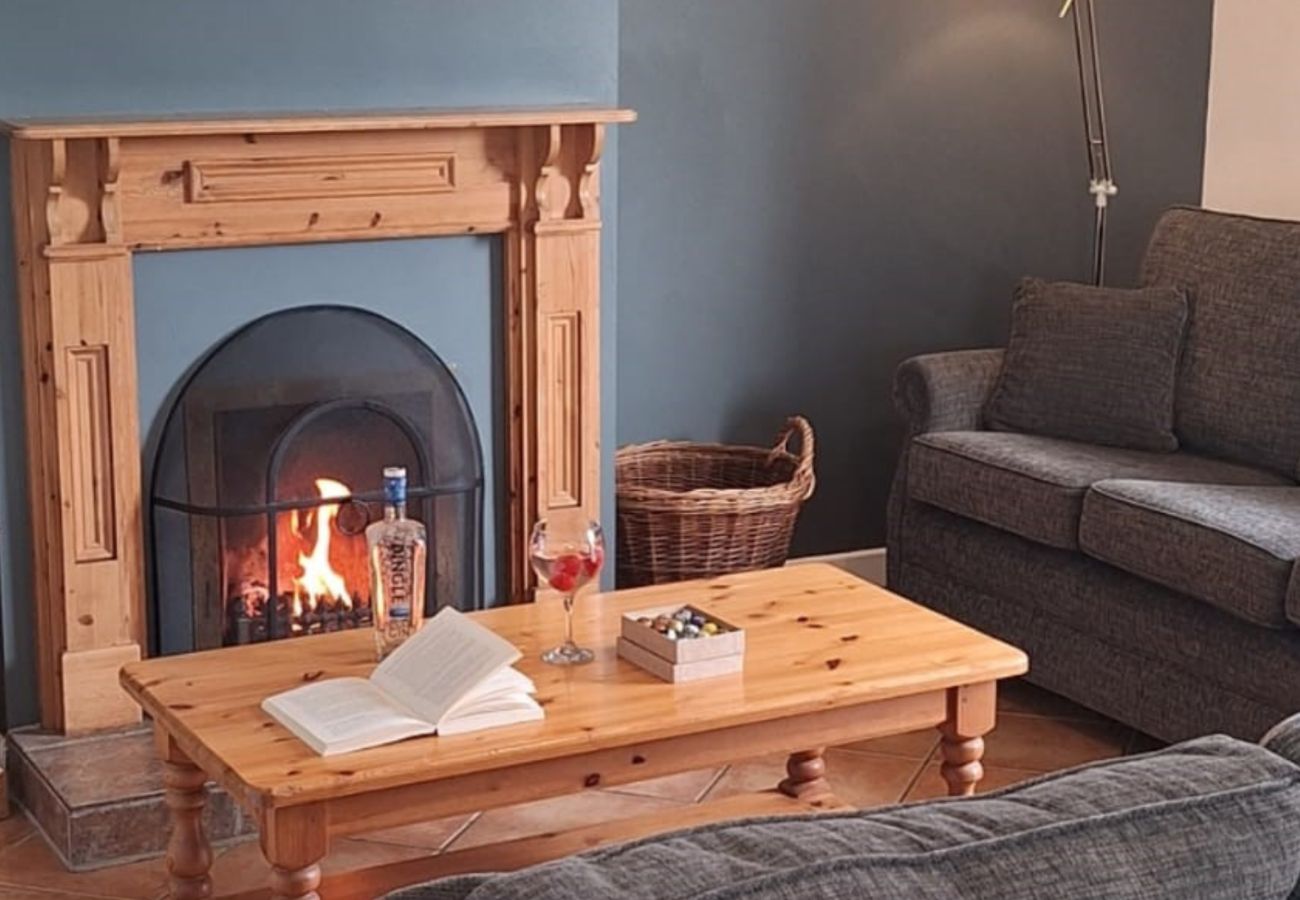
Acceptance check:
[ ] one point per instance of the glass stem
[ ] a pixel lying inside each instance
(568, 620)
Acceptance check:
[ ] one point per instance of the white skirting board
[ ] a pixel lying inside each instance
(868, 564)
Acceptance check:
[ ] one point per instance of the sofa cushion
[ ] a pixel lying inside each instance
(1033, 486)
(1149, 656)
(1212, 818)
(1239, 381)
(1091, 364)
(1230, 545)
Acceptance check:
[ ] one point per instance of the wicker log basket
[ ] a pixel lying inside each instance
(688, 510)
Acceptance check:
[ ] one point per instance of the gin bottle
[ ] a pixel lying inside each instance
(398, 549)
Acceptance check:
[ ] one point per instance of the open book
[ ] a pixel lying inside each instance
(453, 676)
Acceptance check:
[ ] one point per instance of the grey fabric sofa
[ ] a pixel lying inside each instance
(1211, 818)
(1158, 588)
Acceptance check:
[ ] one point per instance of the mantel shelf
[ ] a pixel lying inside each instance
(312, 122)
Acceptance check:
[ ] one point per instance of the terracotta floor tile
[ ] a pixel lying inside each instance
(1018, 696)
(243, 868)
(429, 835)
(14, 829)
(30, 862)
(1042, 745)
(910, 745)
(860, 779)
(17, 892)
(684, 787)
(931, 783)
(558, 814)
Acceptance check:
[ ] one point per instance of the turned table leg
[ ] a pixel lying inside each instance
(299, 884)
(295, 840)
(961, 767)
(806, 775)
(971, 713)
(188, 855)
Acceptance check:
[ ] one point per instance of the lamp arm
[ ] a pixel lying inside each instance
(1101, 182)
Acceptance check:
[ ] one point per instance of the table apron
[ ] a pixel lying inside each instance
(406, 804)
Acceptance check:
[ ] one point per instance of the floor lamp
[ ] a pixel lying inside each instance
(1101, 184)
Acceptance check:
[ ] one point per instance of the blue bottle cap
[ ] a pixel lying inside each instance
(394, 484)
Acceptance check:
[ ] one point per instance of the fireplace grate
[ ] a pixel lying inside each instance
(268, 471)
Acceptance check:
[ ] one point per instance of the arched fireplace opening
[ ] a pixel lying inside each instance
(269, 470)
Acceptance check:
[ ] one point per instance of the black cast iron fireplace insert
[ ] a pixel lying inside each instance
(269, 469)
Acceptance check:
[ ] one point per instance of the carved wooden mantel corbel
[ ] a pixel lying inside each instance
(88, 195)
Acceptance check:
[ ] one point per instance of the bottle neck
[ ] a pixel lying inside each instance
(394, 511)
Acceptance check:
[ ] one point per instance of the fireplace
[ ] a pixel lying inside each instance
(268, 472)
(90, 195)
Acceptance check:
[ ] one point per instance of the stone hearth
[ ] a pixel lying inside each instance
(99, 799)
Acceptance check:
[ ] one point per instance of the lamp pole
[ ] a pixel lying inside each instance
(1101, 183)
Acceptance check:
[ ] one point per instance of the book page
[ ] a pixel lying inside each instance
(445, 660)
(343, 714)
(503, 709)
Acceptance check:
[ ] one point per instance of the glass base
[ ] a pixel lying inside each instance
(568, 655)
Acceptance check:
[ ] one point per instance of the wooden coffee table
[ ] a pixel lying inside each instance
(830, 659)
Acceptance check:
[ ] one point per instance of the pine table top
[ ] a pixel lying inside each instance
(817, 638)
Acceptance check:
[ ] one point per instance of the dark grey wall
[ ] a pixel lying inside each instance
(818, 189)
(76, 57)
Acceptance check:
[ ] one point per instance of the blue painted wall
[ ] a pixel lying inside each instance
(84, 57)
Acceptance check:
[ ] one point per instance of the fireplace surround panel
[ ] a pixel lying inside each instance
(89, 194)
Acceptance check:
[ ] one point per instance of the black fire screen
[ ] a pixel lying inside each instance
(269, 469)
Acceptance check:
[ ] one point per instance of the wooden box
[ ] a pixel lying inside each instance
(681, 660)
(679, 672)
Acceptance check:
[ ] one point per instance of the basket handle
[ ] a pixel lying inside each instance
(803, 473)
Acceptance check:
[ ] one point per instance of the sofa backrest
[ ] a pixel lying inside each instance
(1214, 818)
(1238, 392)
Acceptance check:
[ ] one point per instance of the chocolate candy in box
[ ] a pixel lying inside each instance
(681, 643)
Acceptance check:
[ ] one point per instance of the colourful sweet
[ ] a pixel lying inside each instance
(692, 630)
(709, 628)
(671, 635)
(677, 625)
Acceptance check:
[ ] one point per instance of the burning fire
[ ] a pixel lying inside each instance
(322, 574)
(319, 580)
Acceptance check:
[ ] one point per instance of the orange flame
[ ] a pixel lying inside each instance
(319, 580)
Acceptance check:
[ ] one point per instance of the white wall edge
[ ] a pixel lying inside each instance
(867, 563)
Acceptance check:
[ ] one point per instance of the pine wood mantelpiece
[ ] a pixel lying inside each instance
(87, 195)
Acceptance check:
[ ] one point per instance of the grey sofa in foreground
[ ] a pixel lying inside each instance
(1158, 588)
(1212, 818)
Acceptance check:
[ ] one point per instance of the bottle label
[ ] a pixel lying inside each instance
(398, 572)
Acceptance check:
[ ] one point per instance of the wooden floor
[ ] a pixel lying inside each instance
(1036, 732)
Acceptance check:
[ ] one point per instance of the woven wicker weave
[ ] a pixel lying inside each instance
(688, 510)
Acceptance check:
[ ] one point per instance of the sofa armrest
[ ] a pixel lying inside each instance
(1284, 739)
(946, 391)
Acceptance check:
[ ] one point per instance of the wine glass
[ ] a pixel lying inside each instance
(566, 556)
